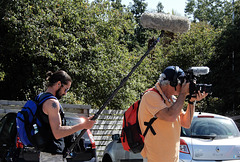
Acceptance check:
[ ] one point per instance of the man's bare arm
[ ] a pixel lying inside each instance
(51, 108)
(171, 113)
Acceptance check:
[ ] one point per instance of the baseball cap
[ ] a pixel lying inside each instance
(173, 73)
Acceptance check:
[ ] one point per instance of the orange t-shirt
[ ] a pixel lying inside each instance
(164, 146)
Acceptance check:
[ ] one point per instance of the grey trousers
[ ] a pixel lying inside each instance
(47, 157)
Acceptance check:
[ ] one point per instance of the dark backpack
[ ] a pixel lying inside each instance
(131, 136)
(28, 122)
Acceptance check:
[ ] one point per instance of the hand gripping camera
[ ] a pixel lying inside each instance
(191, 76)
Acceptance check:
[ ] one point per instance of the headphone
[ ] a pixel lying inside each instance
(174, 81)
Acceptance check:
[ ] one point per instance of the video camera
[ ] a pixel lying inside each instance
(191, 76)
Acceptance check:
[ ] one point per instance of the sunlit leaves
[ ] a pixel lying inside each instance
(216, 12)
(193, 48)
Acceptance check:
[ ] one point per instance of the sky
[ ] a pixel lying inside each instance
(169, 5)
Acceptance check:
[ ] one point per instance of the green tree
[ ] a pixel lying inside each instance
(216, 12)
(90, 41)
(193, 48)
(225, 67)
(32, 38)
(137, 9)
(98, 44)
(116, 4)
(159, 7)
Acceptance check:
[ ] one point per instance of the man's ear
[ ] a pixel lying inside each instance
(59, 84)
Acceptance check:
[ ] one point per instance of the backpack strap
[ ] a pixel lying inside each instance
(42, 97)
(155, 90)
(149, 124)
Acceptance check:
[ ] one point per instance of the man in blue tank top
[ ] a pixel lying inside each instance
(58, 84)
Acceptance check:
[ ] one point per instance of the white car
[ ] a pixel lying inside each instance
(211, 138)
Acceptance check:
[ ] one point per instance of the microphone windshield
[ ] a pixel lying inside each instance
(161, 21)
(202, 70)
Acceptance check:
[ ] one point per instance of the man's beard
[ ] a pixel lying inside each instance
(58, 96)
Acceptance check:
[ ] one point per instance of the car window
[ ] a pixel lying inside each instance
(8, 130)
(3, 120)
(74, 121)
(215, 127)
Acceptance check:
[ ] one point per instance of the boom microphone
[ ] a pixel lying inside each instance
(197, 71)
(161, 21)
(176, 24)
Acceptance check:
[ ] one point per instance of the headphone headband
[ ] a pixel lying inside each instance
(174, 81)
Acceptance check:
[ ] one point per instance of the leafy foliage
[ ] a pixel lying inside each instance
(225, 67)
(98, 43)
(216, 12)
(159, 7)
(193, 48)
(90, 41)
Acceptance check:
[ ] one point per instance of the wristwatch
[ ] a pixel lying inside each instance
(191, 103)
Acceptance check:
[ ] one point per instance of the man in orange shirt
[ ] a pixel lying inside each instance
(164, 146)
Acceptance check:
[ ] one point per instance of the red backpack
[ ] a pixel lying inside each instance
(131, 136)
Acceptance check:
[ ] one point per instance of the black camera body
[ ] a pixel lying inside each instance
(191, 76)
